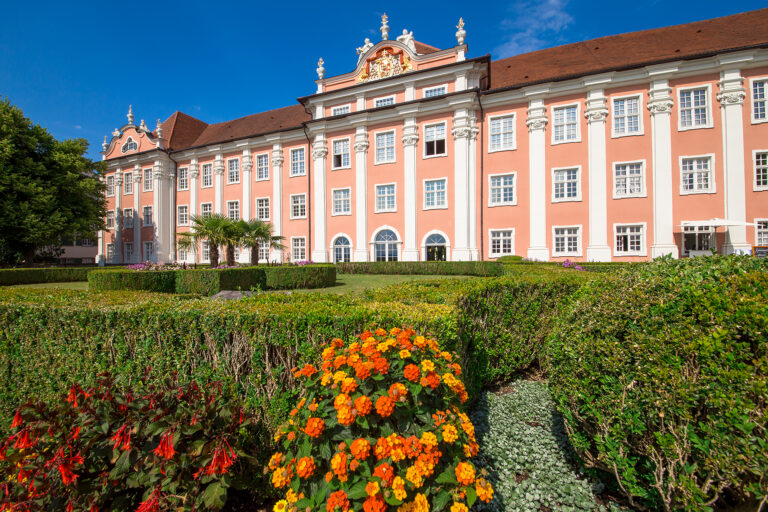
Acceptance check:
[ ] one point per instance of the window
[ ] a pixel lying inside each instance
(435, 194)
(262, 167)
(435, 247)
(385, 198)
(626, 116)
(502, 190)
(147, 215)
(340, 110)
(759, 111)
(130, 145)
(86, 242)
(233, 171)
(385, 147)
(181, 254)
(383, 102)
(183, 179)
(297, 162)
(110, 186)
(233, 210)
(128, 218)
(298, 206)
(567, 241)
(502, 130)
(434, 140)
(206, 210)
(110, 253)
(565, 124)
(694, 108)
(262, 208)
(263, 252)
(630, 240)
(502, 242)
(696, 175)
(205, 253)
(149, 250)
(698, 238)
(565, 185)
(128, 251)
(341, 154)
(628, 179)
(128, 183)
(110, 220)
(431, 92)
(385, 246)
(298, 248)
(182, 215)
(761, 226)
(147, 180)
(342, 250)
(342, 201)
(207, 172)
(761, 170)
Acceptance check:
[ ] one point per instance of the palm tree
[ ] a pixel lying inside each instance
(211, 229)
(254, 231)
(274, 241)
(233, 234)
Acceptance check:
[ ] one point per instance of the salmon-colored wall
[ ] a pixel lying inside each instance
(382, 174)
(337, 179)
(296, 185)
(141, 138)
(755, 139)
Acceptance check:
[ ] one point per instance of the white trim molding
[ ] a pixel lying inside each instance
(580, 242)
(579, 181)
(424, 244)
(641, 127)
(710, 107)
(552, 109)
(643, 179)
(712, 174)
(424, 194)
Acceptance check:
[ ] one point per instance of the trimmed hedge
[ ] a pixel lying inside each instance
(163, 281)
(306, 276)
(661, 372)
(11, 276)
(212, 281)
(446, 268)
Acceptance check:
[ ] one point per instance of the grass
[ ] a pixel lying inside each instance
(76, 285)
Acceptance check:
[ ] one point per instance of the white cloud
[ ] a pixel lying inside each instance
(78, 127)
(535, 25)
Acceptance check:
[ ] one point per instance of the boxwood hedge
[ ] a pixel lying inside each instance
(11, 276)
(450, 268)
(307, 276)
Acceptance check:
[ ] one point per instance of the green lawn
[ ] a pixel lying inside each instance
(356, 283)
(76, 285)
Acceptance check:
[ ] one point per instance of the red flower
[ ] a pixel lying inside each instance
(75, 433)
(17, 419)
(24, 440)
(223, 457)
(122, 438)
(65, 465)
(165, 448)
(151, 504)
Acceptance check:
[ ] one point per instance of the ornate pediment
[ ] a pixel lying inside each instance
(386, 62)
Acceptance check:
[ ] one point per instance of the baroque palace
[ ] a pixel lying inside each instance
(621, 148)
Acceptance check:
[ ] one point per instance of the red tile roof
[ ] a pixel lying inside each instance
(256, 124)
(424, 48)
(636, 49)
(181, 130)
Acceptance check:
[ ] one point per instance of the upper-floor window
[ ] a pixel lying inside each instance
(128, 183)
(342, 201)
(298, 206)
(233, 210)
(233, 171)
(110, 186)
(761, 170)
(262, 167)
(207, 172)
(565, 185)
(262, 208)
(696, 175)
(206, 210)
(341, 158)
(183, 179)
(385, 147)
(341, 109)
(502, 190)
(694, 108)
(130, 145)
(431, 92)
(565, 124)
(385, 198)
(297, 162)
(434, 140)
(384, 101)
(630, 240)
(128, 218)
(147, 216)
(110, 219)
(147, 180)
(626, 116)
(182, 215)
(502, 133)
(628, 179)
(759, 110)
(435, 194)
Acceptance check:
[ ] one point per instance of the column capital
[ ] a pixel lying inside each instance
(158, 170)
(277, 158)
(218, 166)
(410, 135)
(319, 150)
(596, 108)
(660, 101)
(247, 163)
(194, 171)
(537, 117)
(731, 88)
(361, 142)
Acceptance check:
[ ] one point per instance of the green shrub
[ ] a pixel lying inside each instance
(510, 259)
(211, 281)
(286, 277)
(661, 372)
(152, 281)
(11, 276)
(448, 268)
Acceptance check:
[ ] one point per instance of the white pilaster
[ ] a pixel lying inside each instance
(277, 196)
(194, 174)
(660, 106)
(731, 97)
(596, 112)
(361, 194)
(319, 152)
(218, 184)
(137, 217)
(246, 166)
(157, 210)
(474, 252)
(119, 215)
(462, 132)
(170, 219)
(537, 124)
(410, 186)
(100, 260)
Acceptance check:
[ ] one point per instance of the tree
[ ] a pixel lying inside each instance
(233, 233)
(211, 229)
(254, 231)
(49, 189)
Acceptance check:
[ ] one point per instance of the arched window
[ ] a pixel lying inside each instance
(435, 247)
(386, 245)
(130, 145)
(342, 250)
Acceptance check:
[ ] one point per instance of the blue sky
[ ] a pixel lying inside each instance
(74, 67)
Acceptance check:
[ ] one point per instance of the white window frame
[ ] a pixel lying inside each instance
(427, 90)
(491, 204)
(269, 208)
(234, 202)
(178, 214)
(147, 185)
(492, 254)
(132, 216)
(256, 165)
(376, 208)
(444, 206)
(144, 217)
(128, 183)
(291, 173)
(643, 242)
(398, 242)
(712, 181)
(202, 213)
(333, 201)
(755, 186)
(349, 154)
(203, 167)
(752, 99)
(110, 217)
(185, 178)
(384, 98)
(573, 254)
(578, 184)
(332, 248)
(643, 192)
(710, 115)
(513, 147)
(110, 184)
(758, 220)
(552, 109)
(229, 171)
(424, 146)
(128, 249)
(303, 194)
(347, 106)
(640, 127)
(110, 252)
(293, 248)
(145, 256)
(376, 160)
(205, 252)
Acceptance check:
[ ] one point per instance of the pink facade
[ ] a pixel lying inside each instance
(420, 153)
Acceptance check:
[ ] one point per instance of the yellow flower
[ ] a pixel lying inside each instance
(428, 439)
(427, 366)
(291, 496)
(339, 376)
(413, 475)
(450, 434)
(420, 504)
(458, 507)
(326, 379)
(398, 487)
(280, 506)
(404, 354)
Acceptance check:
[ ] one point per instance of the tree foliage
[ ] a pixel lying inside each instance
(49, 189)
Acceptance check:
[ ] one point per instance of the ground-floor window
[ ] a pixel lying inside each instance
(630, 240)
(263, 253)
(386, 245)
(206, 252)
(110, 253)
(502, 242)
(567, 241)
(342, 250)
(698, 238)
(435, 247)
(762, 232)
(181, 254)
(298, 249)
(128, 251)
(149, 250)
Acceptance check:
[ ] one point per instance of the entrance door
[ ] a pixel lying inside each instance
(435, 248)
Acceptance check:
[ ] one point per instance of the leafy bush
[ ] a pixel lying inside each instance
(379, 425)
(157, 446)
(285, 277)
(451, 268)
(11, 276)
(661, 374)
(212, 281)
(163, 281)
(510, 259)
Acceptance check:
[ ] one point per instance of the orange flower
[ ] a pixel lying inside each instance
(372, 488)
(450, 434)
(281, 477)
(341, 400)
(363, 405)
(385, 472)
(465, 473)
(275, 460)
(363, 370)
(397, 391)
(337, 500)
(484, 490)
(339, 362)
(381, 365)
(385, 406)
(412, 372)
(337, 342)
(381, 332)
(431, 380)
(382, 448)
(339, 466)
(315, 427)
(345, 416)
(361, 448)
(459, 507)
(374, 504)
(348, 385)
(354, 464)
(308, 370)
(328, 353)
(305, 467)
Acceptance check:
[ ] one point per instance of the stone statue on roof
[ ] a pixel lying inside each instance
(407, 39)
(367, 45)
